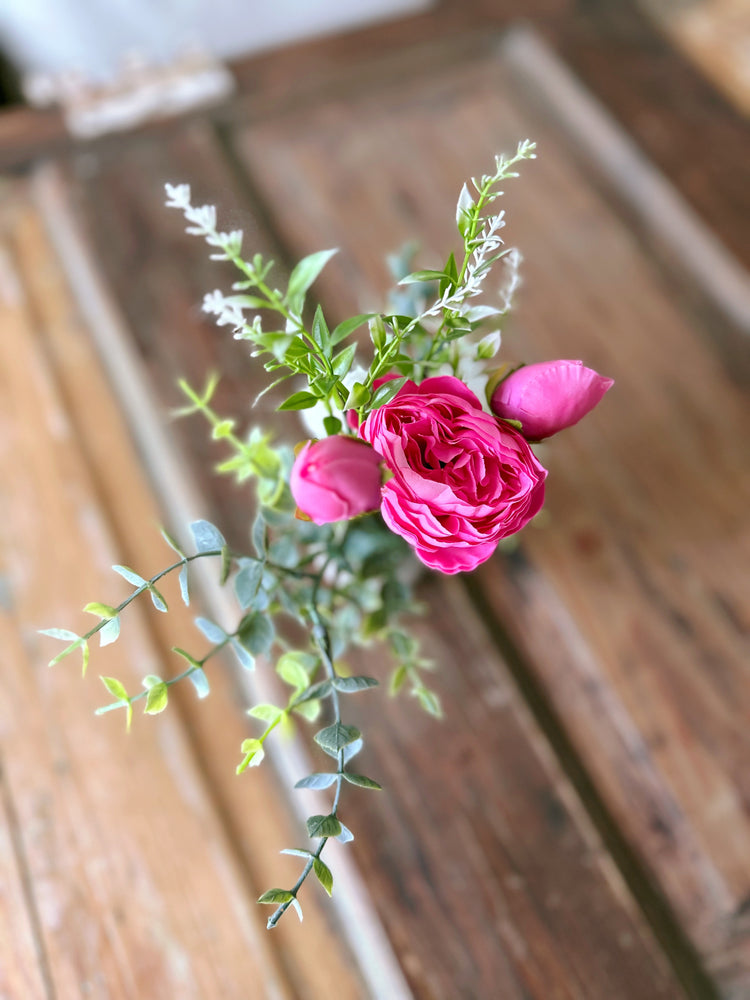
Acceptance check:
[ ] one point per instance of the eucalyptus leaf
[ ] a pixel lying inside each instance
(361, 781)
(318, 781)
(214, 633)
(276, 896)
(156, 699)
(348, 685)
(130, 575)
(323, 873)
(336, 737)
(323, 826)
(110, 631)
(207, 536)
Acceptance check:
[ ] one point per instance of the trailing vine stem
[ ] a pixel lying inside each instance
(323, 642)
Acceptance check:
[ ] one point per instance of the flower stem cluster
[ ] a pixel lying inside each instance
(403, 434)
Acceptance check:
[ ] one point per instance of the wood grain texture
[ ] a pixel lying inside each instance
(136, 880)
(522, 899)
(630, 597)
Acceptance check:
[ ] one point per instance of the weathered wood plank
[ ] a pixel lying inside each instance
(21, 960)
(506, 931)
(137, 890)
(630, 598)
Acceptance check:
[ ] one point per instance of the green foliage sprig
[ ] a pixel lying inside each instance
(345, 583)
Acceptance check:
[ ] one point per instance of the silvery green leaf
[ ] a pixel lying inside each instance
(247, 582)
(295, 852)
(200, 682)
(346, 836)
(211, 631)
(352, 750)
(256, 633)
(207, 536)
(60, 633)
(157, 600)
(347, 685)
(109, 632)
(318, 780)
(336, 737)
(130, 575)
(297, 908)
(246, 659)
(184, 587)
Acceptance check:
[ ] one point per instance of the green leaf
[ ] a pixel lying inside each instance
(464, 211)
(320, 690)
(292, 669)
(320, 332)
(318, 780)
(378, 332)
(336, 737)
(276, 896)
(343, 360)
(214, 633)
(309, 710)
(247, 582)
(427, 275)
(258, 535)
(207, 536)
(150, 680)
(301, 400)
(247, 661)
(109, 632)
(358, 396)
(347, 685)
(184, 588)
(361, 781)
(116, 688)
(386, 392)
(254, 754)
(102, 610)
(303, 276)
(429, 702)
(172, 543)
(323, 826)
(349, 326)
(324, 875)
(226, 565)
(332, 425)
(398, 677)
(256, 633)
(156, 699)
(296, 853)
(130, 575)
(157, 599)
(265, 712)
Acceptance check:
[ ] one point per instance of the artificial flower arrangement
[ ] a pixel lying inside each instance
(423, 451)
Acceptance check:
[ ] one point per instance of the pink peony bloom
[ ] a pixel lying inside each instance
(462, 480)
(335, 479)
(549, 396)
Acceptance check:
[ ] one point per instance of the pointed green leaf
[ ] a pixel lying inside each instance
(304, 274)
(349, 326)
(116, 688)
(172, 543)
(102, 610)
(386, 392)
(324, 875)
(301, 400)
(347, 685)
(276, 896)
(361, 781)
(318, 781)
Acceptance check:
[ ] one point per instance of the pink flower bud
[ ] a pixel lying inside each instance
(549, 396)
(335, 479)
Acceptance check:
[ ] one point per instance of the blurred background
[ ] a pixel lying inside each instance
(578, 826)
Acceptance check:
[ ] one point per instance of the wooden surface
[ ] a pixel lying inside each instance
(577, 826)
